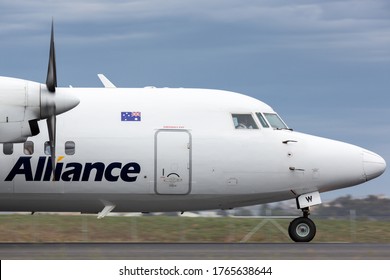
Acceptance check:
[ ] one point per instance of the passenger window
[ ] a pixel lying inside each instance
(28, 148)
(70, 148)
(8, 148)
(244, 121)
(47, 148)
(262, 120)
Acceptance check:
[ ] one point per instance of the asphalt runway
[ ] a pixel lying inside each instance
(192, 251)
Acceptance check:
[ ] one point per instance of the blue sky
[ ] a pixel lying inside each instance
(323, 65)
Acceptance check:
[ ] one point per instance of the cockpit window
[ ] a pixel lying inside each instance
(244, 121)
(275, 121)
(262, 120)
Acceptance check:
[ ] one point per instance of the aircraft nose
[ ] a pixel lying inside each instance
(373, 164)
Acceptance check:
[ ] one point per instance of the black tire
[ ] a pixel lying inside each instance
(302, 230)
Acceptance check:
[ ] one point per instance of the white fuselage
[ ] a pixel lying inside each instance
(183, 154)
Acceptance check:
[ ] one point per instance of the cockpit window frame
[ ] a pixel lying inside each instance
(262, 120)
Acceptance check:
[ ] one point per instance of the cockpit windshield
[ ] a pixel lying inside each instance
(275, 121)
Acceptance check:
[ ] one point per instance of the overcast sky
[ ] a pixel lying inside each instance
(323, 65)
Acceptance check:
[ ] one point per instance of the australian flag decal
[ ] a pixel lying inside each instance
(131, 116)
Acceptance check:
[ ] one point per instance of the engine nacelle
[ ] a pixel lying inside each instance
(23, 103)
(19, 109)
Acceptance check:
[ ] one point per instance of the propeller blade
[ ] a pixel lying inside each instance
(51, 79)
(51, 84)
(51, 127)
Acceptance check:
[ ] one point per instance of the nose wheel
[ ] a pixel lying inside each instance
(302, 229)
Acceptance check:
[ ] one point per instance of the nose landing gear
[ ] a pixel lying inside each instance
(302, 229)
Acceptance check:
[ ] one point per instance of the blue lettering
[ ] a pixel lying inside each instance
(130, 168)
(21, 167)
(108, 173)
(72, 174)
(40, 168)
(98, 166)
(74, 171)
